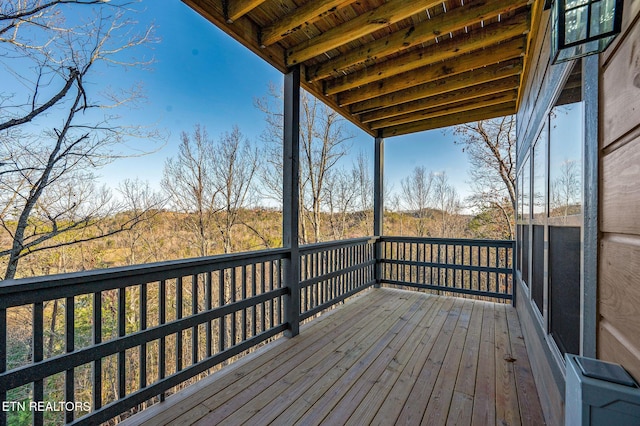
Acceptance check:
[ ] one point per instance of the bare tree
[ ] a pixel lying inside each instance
(211, 182)
(189, 182)
(491, 146)
(447, 204)
(233, 170)
(341, 200)
(46, 180)
(364, 184)
(143, 202)
(416, 197)
(323, 142)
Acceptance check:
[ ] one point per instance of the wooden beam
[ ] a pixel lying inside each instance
(442, 99)
(451, 120)
(387, 14)
(238, 8)
(434, 53)
(298, 18)
(457, 19)
(449, 84)
(453, 108)
(494, 54)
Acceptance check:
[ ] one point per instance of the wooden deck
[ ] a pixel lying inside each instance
(384, 357)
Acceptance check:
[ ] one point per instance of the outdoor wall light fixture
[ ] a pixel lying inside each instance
(583, 27)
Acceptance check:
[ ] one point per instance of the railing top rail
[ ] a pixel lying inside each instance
(459, 241)
(310, 248)
(35, 289)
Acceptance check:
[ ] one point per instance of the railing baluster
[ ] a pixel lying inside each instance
(143, 326)
(496, 263)
(179, 316)
(487, 263)
(346, 259)
(194, 311)
(272, 272)
(208, 305)
(446, 261)
(478, 273)
(309, 301)
(122, 316)
(97, 339)
(262, 291)
(455, 272)
(244, 296)
(342, 257)
(431, 268)
(439, 262)
(279, 283)
(463, 273)
(38, 355)
(232, 286)
(221, 302)
(337, 264)
(254, 316)
(308, 298)
(70, 332)
(411, 259)
(162, 350)
(356, 275)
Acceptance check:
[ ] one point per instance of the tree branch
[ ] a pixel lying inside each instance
(73, 76)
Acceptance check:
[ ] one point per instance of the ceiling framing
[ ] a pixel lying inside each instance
(391, 67)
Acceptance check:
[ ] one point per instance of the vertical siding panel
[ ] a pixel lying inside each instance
(619, 259)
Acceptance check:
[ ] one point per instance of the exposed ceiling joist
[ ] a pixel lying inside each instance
(453, 108)
(298, 18)
(432, 54)
(450, 120)
(471, 13)
(383, 16)
(449, 84)
(442, 99)
(463, 63)
(238, 8)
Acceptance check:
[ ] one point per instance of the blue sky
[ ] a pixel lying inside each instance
(201, 75)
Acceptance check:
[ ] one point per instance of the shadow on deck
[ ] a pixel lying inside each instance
(384, 357)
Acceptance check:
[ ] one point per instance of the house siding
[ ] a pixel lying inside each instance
(540, 91)
(618, 337)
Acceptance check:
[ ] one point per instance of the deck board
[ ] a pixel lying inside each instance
(385, 357)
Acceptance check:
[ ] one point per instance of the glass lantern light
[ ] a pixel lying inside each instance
(583, 27)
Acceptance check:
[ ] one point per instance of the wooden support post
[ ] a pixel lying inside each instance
(291, 198)
(589, 293)
(378, 204)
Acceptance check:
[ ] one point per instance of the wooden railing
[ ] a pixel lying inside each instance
(116, 340)
(331, 272)
(132, 334)
(481, 268)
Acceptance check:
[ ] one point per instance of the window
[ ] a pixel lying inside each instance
(550, 218)
(565, 214)
(523, 221)
(539, 205)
